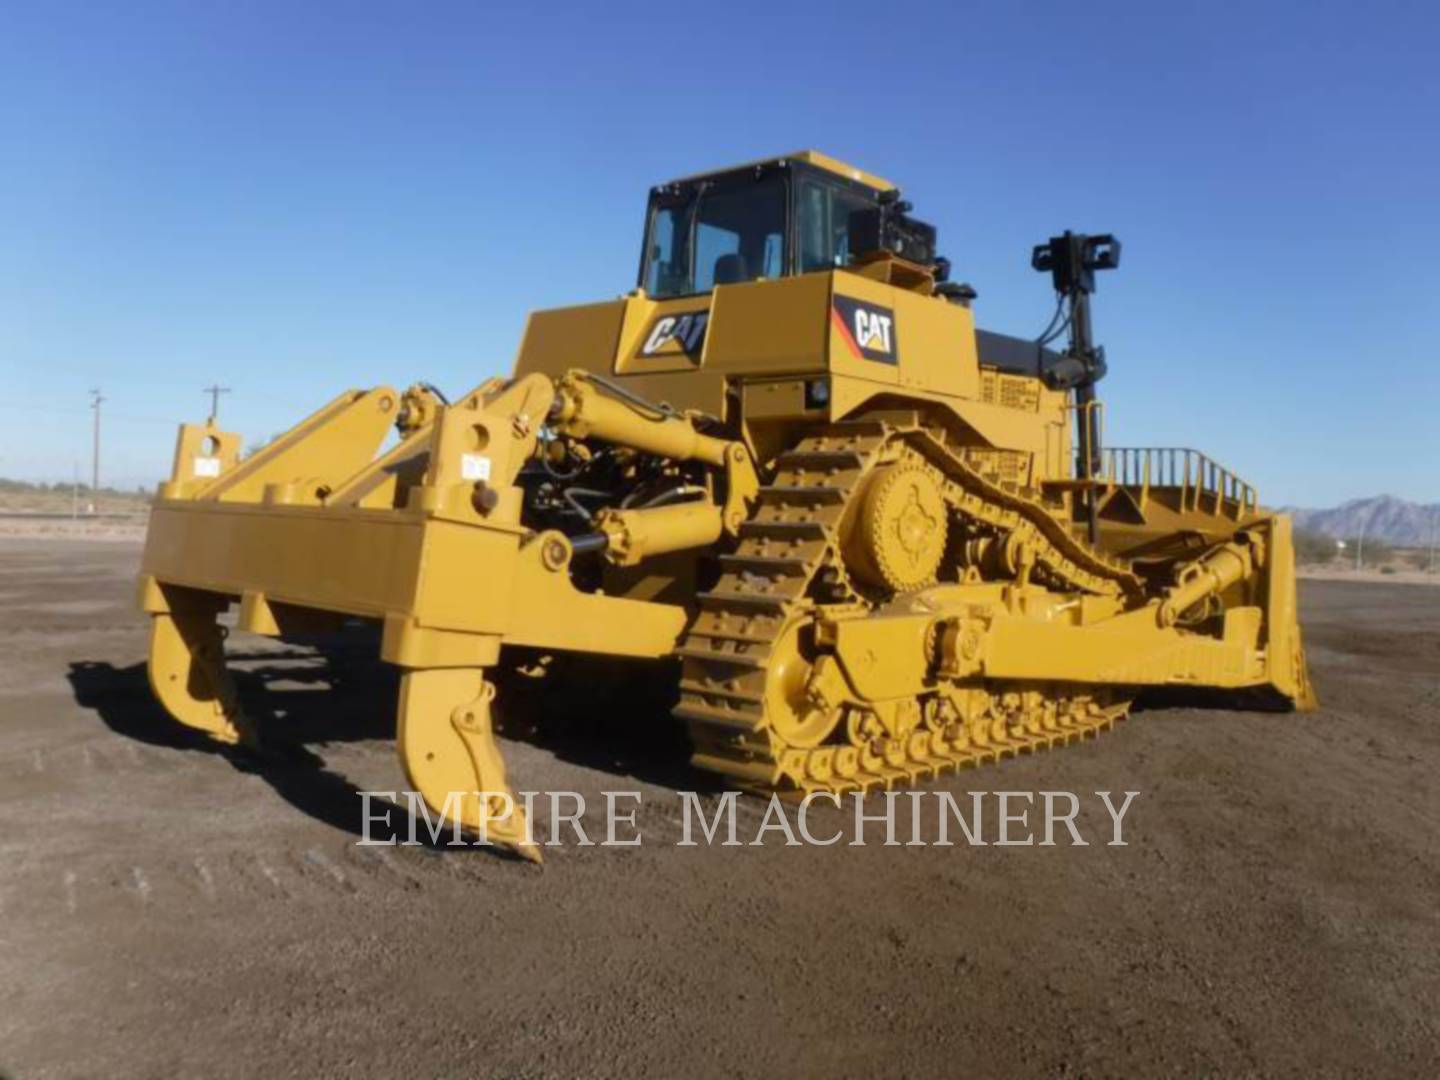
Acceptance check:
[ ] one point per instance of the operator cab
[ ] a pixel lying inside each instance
(791, 215)
(808, 212)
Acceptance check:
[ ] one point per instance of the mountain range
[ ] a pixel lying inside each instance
(1384, 517)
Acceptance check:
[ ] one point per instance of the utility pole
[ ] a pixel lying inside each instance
(1434, 513)
(1360, 544)
(95, 399)
(215, 391)
(74, 490)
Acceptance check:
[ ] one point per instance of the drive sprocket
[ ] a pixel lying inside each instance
(898, 538)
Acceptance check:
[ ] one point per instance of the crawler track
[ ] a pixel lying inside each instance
(788, 563)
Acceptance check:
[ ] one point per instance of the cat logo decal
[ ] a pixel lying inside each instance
(868, 330)
(682, 333)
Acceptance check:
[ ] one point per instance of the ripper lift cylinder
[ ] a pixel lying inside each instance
(633, 535)
(584, 410)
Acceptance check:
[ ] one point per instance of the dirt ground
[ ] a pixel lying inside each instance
(170, 911)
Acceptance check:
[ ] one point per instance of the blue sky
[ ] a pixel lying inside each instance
(295, 198)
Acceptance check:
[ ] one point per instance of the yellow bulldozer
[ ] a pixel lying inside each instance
(870, 542)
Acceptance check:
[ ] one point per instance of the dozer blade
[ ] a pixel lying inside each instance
(1287, 671)
(1259, 559)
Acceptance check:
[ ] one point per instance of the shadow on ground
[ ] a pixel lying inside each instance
(614, 719)
(605, 713)
(612, 716)
(297, 702)
(1168, 698)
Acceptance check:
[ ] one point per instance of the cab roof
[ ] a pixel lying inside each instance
(810, 157)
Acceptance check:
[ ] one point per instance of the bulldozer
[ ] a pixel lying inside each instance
(868, 542)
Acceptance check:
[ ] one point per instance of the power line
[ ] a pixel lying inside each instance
(112, 417)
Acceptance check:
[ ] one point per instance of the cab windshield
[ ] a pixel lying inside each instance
(715, 232)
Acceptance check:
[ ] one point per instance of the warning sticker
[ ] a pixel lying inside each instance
(474, 467)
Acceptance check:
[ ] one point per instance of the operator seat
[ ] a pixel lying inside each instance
(731, 269)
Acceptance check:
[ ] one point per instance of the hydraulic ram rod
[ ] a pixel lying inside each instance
(1212, 574)
(583, 409)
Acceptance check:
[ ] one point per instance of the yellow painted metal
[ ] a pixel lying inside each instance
(810, 157)
(186, 667)
(303, 465)
(902, 582)
(796, 689)
(1208, 576)
(202, 453)
(897, 540)
(1286, 669)
(585, 410)
(447, 748)
(588, 407)
(883, 657)
(635, 535)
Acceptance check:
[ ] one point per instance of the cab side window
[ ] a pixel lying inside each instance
(824, 223)
(667, 265)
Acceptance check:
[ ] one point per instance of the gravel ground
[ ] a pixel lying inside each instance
(168, 910)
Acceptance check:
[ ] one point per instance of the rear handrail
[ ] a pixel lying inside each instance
(1189, 471)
